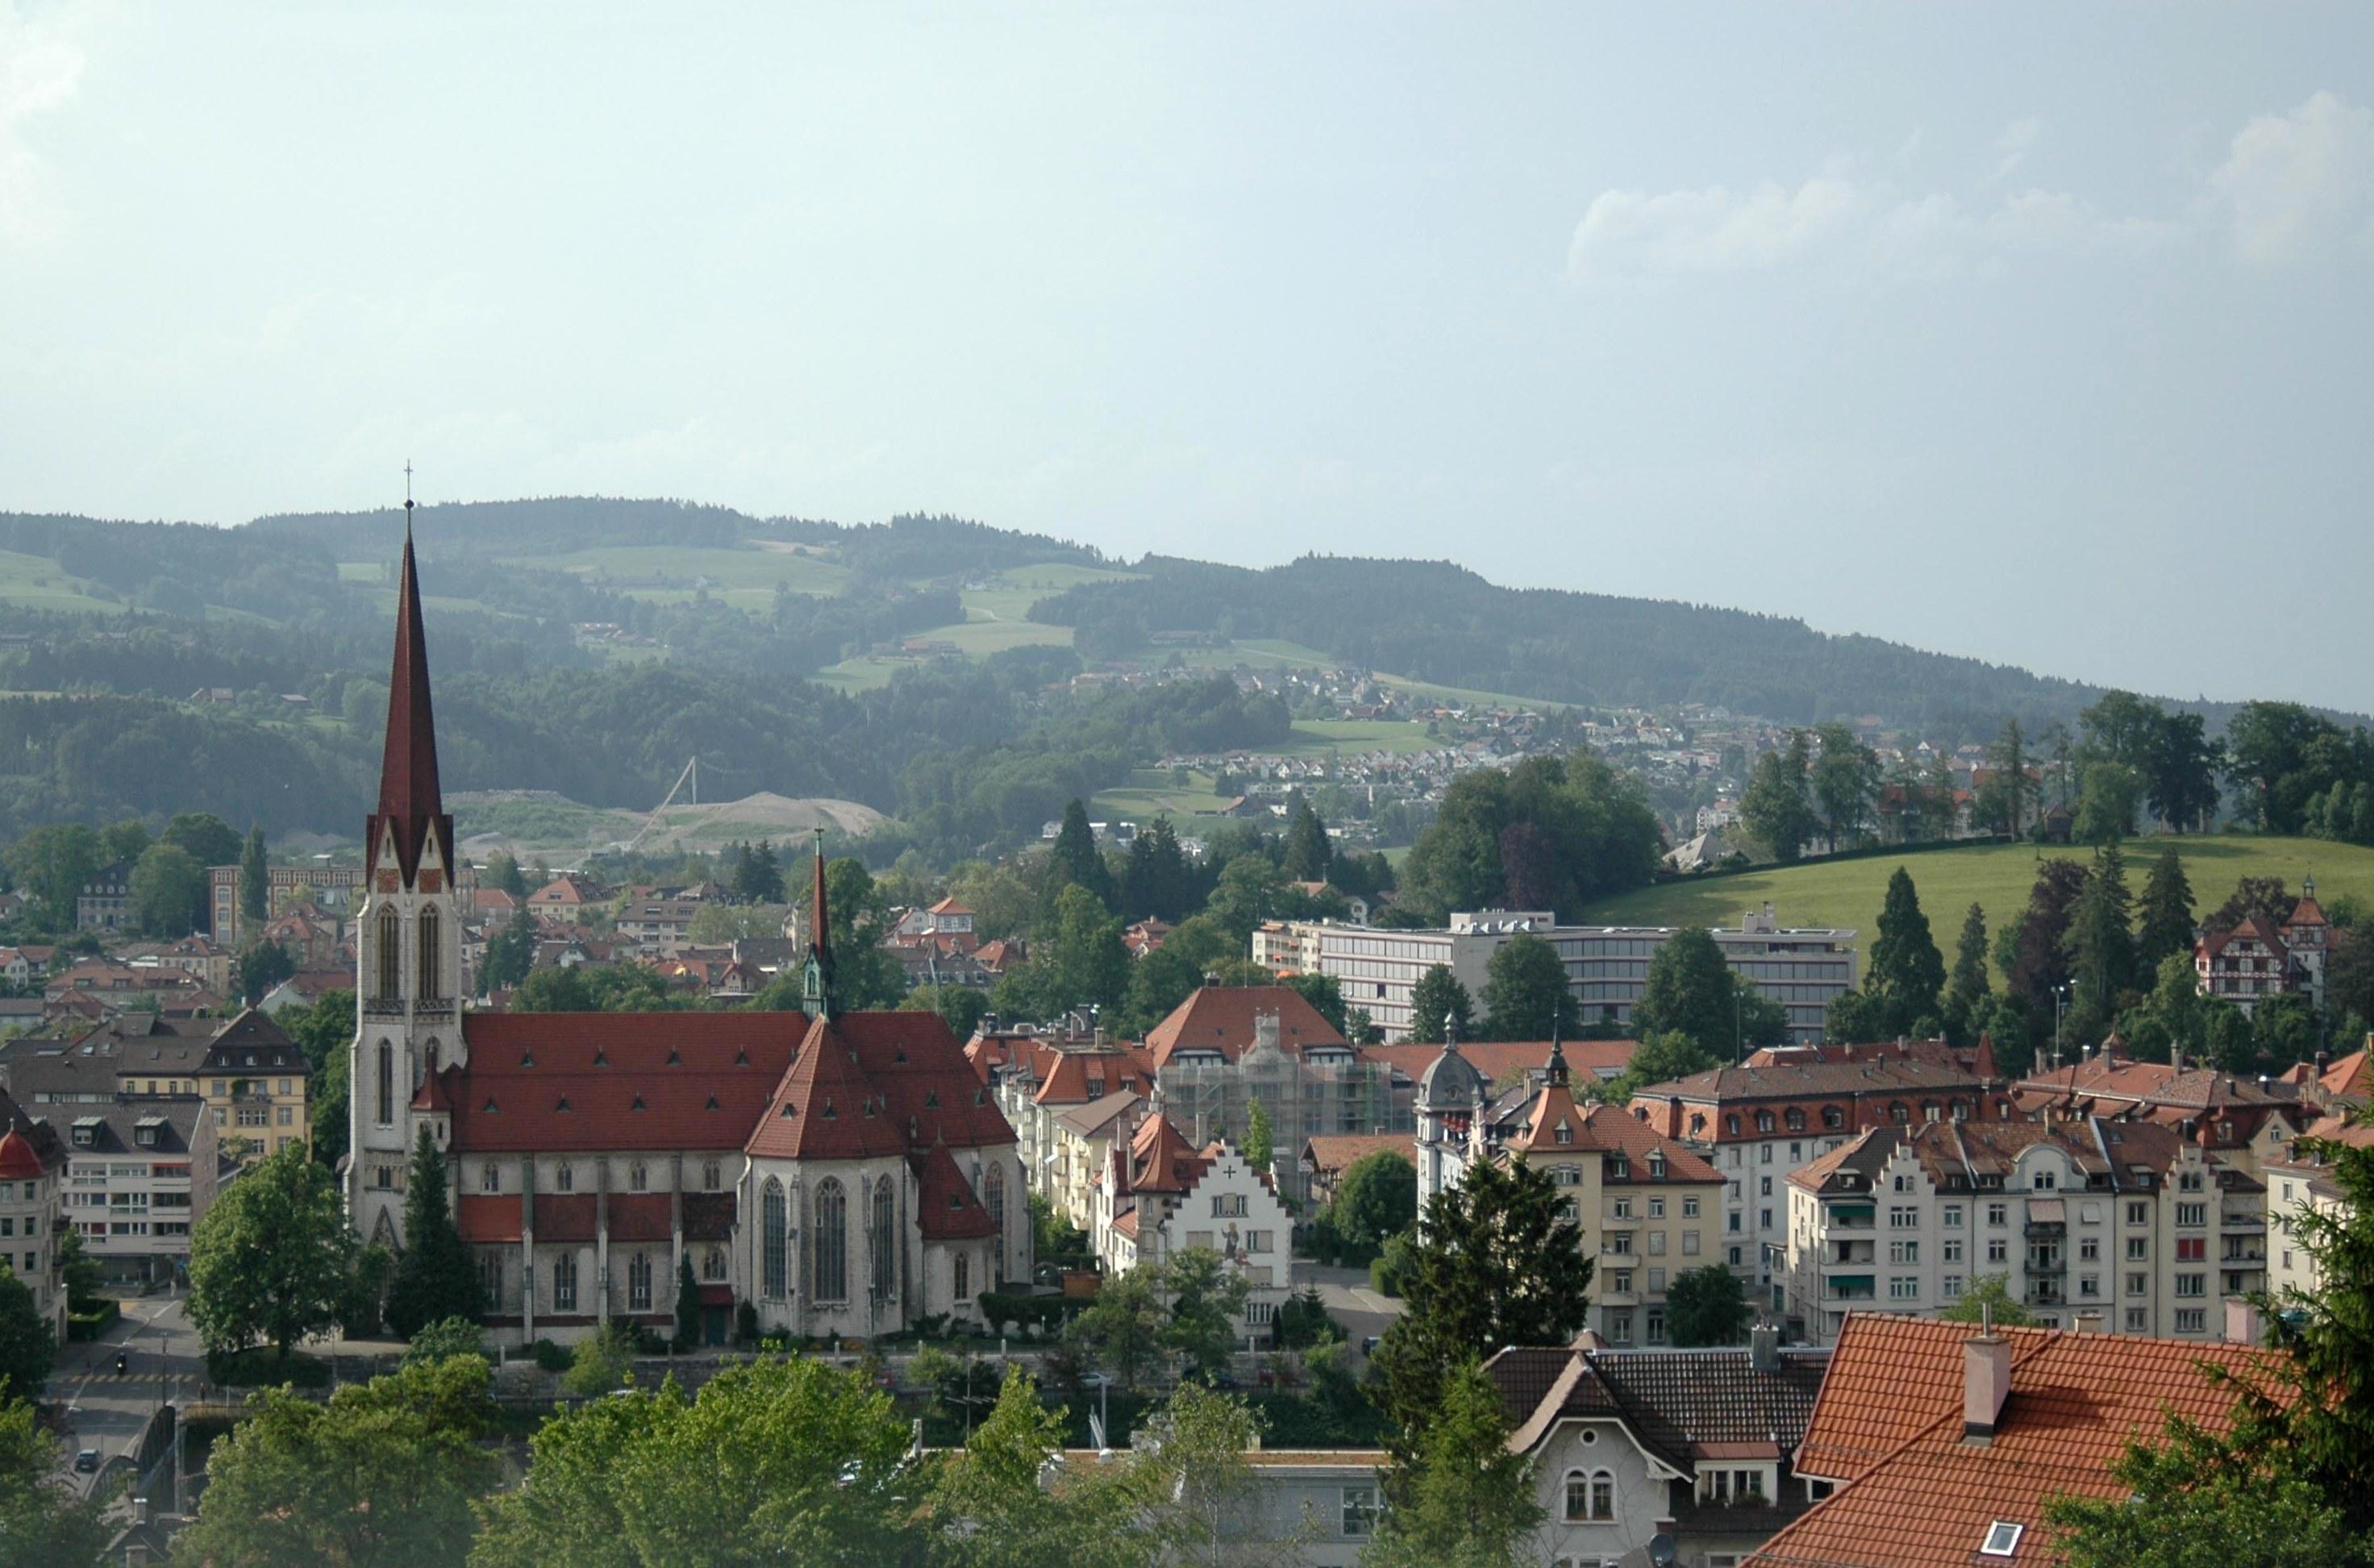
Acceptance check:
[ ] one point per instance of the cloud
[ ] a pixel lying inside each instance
(2018, 139)
(2295, 183)
(41, 70)
(1870, 227)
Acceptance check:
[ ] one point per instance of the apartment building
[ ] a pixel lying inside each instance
(333, 888)
(1758, 1123)
(1802, 970)
(1647, 1209)
(1161, 1196)
(139, 1176)
(2120, 1225)
(32, 1164)
(2297, 1180)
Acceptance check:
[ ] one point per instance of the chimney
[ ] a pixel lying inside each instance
(2242, 1325)
(2176, 1057)
(1764, 1346)
(1986, 1382)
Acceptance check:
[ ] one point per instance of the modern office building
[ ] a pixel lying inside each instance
(1801, 970)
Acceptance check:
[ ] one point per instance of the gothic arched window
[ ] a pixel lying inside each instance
(713, 1264)
(564, 1178)
(390, 945)
(639, 1282)
(386, 1085)
(637, 1176)
(878, 1238)
(432, 950)
(772, 1224)
(830, 1248)
(709, 1176)
(993, 1195)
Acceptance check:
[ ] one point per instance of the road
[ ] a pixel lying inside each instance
(106, 1411)
(1350, 1302)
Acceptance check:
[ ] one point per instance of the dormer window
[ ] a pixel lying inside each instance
(1565, 1132)
(828, 1113)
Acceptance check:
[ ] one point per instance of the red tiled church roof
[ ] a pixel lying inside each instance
(549, 1082)
(946, 1209)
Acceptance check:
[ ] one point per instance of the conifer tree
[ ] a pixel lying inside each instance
(1969, 987)
(1073, 861)
(1907, 971)
(1309, 854)
(255, 879)
(2165, 923)
(2100, 949)
(687, 1304)
(436, 1276)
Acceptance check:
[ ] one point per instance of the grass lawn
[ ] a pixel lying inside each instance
(38, 582)
(1460, 697)
(1995, 876)
(1317, 737)
(1010, 594)
(1149, 795)
(362, 571)
(745, 577)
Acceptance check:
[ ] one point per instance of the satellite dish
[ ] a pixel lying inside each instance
(1662, 1550)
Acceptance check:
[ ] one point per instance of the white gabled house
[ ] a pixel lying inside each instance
(1160, 1196)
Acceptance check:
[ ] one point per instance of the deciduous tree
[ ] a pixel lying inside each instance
(1777, 807)
(383, 1473)
(27, 1348)
(1526, 996)
(255, 879)
(1375, 1199)
(1707, 1306)
(270, 1259)
(1460, 1498)
(41, 1519)
(1439, 996)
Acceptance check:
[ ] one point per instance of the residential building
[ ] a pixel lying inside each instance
(2300, 1181)
(1942, 1443)
(1755, 1124)
(657, 928)
(1326, 1157)
(2237, 1119)
(104, 904)
(1160, 1196)
(1608, 967)
(1226, 1048)
(333, 888)
(139, 1175)
(2121, 1227)
(844, 1173)
(1647, 1208)
(1693, 1444)
(253, 1081)
(1316, 1508)
(1066, 1080)
(2260, 959)
(32, 1167)
(1080, 1147)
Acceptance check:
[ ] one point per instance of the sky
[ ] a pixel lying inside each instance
(2039, 334)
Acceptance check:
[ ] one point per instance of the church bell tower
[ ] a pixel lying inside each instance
(408, 946)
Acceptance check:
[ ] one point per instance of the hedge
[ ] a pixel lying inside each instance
(1001, 1307)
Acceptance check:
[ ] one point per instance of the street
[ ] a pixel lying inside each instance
(1363, 1313)
(108, 1411)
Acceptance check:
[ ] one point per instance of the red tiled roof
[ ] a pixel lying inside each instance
(906, 1067)
(701, 1078)
(487, 1217)
(1068, 1074)
(1160, 1160)
(18, 1160)
(1504, 1061)
(1888, 1423)
(641, 1216)
(565, 1216)
(1335, 1152)
(945, 1208)
(1220, 1018)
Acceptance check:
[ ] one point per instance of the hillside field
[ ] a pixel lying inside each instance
(1995, 876)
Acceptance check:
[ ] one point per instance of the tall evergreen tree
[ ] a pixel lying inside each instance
(1494, 1265)
(1465, 1500)
(687, 1304)
(2100, 948)
(1157, 880)
(1309, 854)
(435, 1278)
(2007, 794)
(1777, 807)
(1968, 988)
(1073, 861)
(1906, 972)
(255, 879)
(1439, 996)
(2166, 916)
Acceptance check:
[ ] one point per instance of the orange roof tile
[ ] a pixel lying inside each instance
(1888, 1424)
(1220, 1018)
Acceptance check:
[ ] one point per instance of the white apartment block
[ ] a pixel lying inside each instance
(2300, 1181)
(1803, 970)
(2127, 1227)
(140, 1174)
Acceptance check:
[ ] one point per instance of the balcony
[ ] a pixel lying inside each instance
(1852, 1217)
(1839, 1252)
(1849, 1287)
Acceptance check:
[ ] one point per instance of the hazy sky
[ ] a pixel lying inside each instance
(2037, 334)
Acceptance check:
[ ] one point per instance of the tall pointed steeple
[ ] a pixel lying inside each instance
(817, 984)
(410, 802)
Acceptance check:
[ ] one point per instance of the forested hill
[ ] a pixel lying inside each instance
(1438, 622)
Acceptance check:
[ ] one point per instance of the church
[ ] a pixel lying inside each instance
(839, 1174)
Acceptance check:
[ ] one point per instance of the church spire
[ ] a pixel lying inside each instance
(819, 987)
(409, 799)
